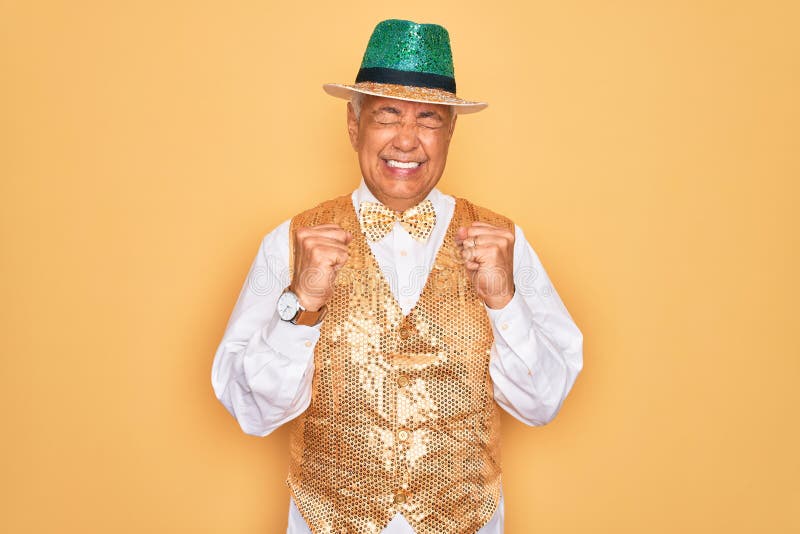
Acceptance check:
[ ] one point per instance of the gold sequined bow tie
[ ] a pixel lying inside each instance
(377, 220)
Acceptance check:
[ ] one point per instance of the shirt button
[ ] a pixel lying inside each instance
(402, 434)
(505, 326)
(399, 497)
(307, 343)
(403, 253)
(402, 381)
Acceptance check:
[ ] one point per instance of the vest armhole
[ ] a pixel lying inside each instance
(479, 213)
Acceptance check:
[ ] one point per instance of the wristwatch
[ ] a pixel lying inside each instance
(290, 309)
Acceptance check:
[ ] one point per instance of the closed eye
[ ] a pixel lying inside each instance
(430, 119)
(386, 115)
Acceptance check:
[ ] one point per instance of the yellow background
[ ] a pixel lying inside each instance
(648, 149)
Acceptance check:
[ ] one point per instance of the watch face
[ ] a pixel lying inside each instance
(288, 306)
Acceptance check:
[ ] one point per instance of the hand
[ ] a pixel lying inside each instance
(319, 253)
(488, 253)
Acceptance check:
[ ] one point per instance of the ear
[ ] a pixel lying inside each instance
(352, 126)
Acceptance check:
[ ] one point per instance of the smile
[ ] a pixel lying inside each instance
(403, 164)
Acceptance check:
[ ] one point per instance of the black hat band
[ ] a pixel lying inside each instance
(403, 77)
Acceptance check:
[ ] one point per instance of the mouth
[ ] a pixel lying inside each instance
(397, 164)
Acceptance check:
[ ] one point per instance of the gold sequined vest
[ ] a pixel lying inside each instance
(402, 415)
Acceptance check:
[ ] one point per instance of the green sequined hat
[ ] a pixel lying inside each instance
(408, 61)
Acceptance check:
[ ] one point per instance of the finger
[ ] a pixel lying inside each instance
(469, 254)
(486, 243)
(332, 256)
(483, 254)
(472, 265)
(332, 231)
(488, 240)
(320, 227)
(317, 241)
(325, 256)
(474, 231)
(342, 236)
(340, 261)
(464, 240)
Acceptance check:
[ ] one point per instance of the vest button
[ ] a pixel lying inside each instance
(399, 497)
(403, 434)
(402, 381)
(406, 330)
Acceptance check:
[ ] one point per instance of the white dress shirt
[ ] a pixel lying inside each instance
(263, 366)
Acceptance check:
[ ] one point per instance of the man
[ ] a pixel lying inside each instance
(407, 318)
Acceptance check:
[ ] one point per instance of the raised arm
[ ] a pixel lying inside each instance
(263, 366)
(538, 348)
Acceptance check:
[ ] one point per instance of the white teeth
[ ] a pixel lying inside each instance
(403, 164)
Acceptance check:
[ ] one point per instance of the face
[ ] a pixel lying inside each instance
(402, 147)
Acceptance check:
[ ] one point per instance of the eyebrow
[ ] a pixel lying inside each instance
(421, 115)
(387, 109)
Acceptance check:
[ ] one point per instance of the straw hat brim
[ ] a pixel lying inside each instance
(405, 92)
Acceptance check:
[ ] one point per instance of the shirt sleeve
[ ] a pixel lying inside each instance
(263, 366)
(538, 349)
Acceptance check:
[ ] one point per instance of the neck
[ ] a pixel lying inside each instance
(398, 205)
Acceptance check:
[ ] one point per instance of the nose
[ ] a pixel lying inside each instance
(406, 138)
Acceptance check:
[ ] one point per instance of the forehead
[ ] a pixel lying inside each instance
(403, 106)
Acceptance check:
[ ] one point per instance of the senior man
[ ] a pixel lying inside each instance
(389, 324)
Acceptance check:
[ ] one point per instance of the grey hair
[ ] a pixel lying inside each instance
(358, 98)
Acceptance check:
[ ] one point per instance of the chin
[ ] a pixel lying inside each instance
(400, 186)
(403, 187)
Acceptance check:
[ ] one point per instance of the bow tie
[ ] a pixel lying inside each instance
(377, 220)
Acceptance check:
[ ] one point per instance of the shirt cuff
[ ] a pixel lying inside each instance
(291, 340)
(512, 323)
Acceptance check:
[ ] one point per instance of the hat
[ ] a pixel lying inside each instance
(407, 61)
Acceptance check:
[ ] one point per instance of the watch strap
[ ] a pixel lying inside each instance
(310, 318)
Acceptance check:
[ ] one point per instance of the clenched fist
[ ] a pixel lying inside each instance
(488, 253)
(319, 253)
